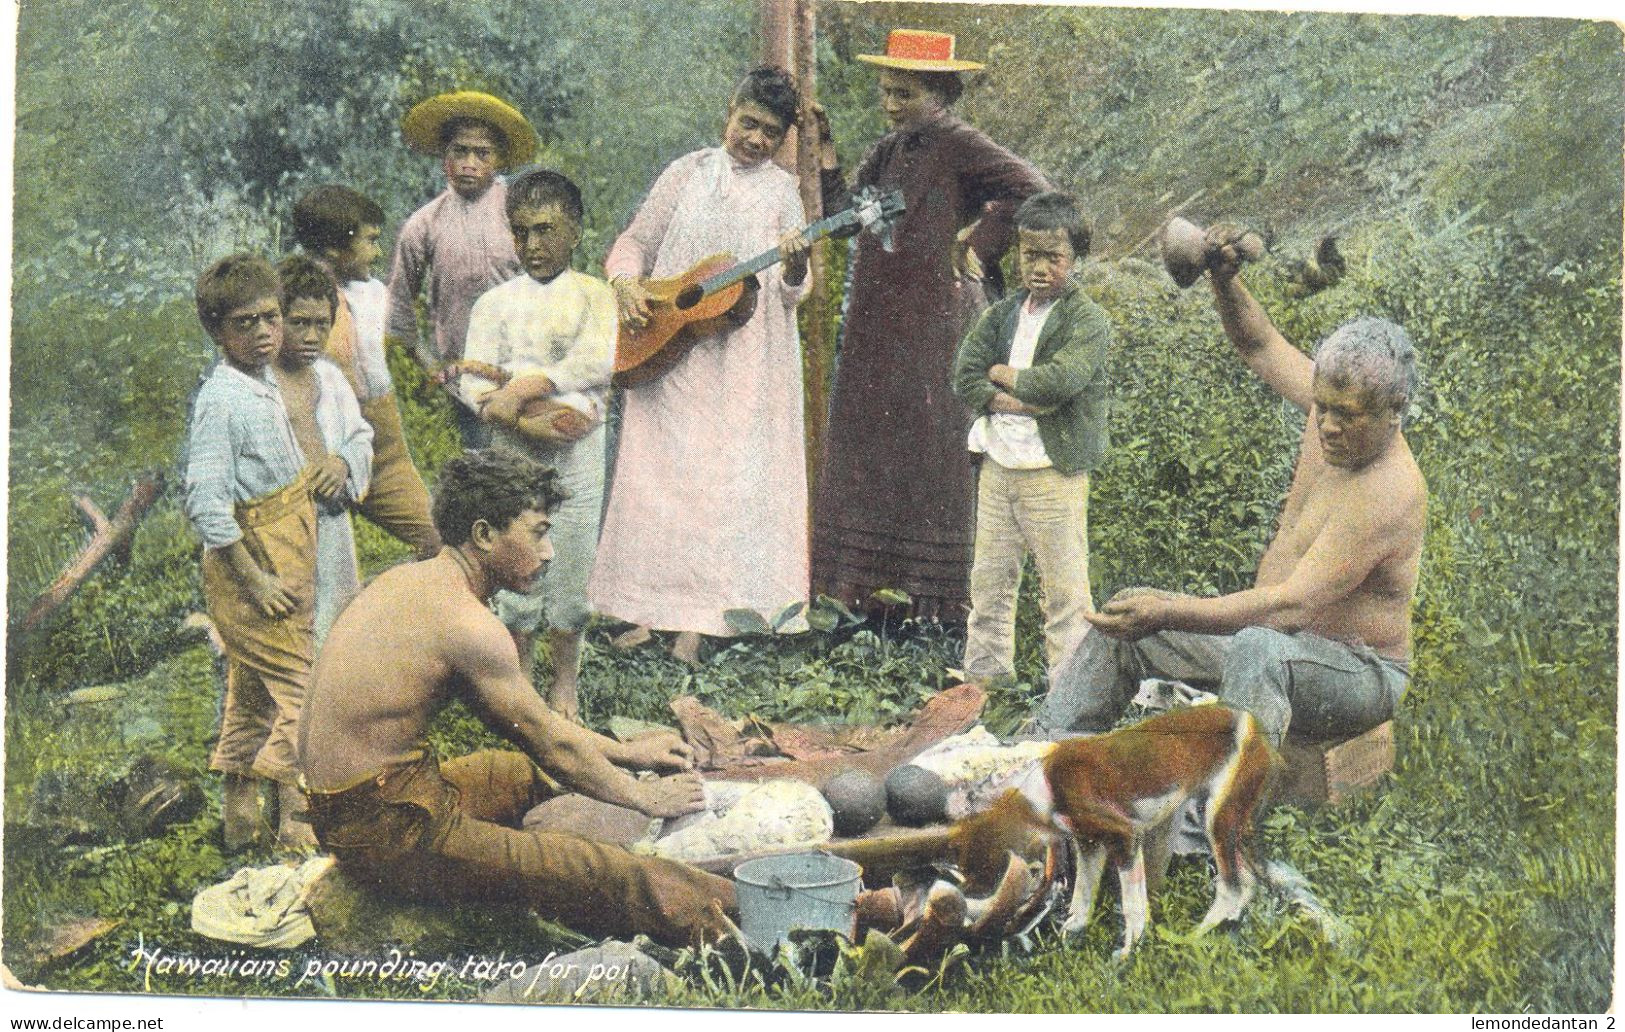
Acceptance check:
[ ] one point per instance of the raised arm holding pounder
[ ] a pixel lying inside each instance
(1322, 640)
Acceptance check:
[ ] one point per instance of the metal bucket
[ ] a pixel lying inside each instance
(797, 890)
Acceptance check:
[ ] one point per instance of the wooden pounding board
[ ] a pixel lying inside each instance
(882, 851)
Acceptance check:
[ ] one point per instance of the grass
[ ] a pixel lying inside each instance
(1464, 890)
(1478, 877)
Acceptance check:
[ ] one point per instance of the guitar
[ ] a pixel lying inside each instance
(686, 309)
(540, 418)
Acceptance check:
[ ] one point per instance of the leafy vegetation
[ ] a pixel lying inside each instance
(1469, 169)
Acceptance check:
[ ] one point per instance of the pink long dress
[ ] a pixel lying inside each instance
(708, 507)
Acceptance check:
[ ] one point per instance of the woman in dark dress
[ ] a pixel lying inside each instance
(895, 503)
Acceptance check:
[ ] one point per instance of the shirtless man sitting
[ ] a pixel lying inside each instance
(400, 822)
(1321, 642)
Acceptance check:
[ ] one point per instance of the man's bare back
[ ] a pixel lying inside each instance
(383, 672)
(420, 635)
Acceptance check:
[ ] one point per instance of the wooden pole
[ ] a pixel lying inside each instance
(818, 343)
(789, 40)
(777, 44)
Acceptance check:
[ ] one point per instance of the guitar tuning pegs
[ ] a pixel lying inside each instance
(877, 213)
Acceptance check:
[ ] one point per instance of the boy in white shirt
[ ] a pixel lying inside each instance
(553, 331)
(1034, 368)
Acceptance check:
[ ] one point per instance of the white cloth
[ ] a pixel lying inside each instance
(263, 907)
(345, 433)
(1009, 439)
(740, 819)
(708, 508)
(369, 307)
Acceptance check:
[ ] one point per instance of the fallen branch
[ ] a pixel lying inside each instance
(106, 537)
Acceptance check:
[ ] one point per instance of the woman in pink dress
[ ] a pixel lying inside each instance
(708, 507)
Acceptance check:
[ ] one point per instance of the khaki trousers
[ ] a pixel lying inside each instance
(451, 834)
(1017, 511)
(396, 500)
(268, 661)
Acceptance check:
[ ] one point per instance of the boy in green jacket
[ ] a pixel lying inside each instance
(1033, 368)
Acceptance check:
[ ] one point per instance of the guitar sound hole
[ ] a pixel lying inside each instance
(690, 297)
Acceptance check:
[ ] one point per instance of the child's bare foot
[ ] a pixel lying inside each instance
(631, 639)
(564, 647)
(244, 816)
(687, 648)
(293, 830)
(561, 698)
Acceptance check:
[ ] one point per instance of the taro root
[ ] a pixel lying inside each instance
(857, 799)
(915, 796)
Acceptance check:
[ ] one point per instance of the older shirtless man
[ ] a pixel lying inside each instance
(1321, 641)
(421, 635)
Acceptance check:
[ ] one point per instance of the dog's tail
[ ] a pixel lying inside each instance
(1289, 885)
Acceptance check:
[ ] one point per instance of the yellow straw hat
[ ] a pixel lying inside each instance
(917, 50)
(423, 123)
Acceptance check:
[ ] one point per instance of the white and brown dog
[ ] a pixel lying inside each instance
(1116, 796)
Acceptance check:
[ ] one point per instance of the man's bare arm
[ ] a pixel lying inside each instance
(506, 700)
(1288, 371)
(1353, 542)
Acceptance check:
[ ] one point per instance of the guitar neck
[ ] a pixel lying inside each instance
(812, 234)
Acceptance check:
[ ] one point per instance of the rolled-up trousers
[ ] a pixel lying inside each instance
(268, 659)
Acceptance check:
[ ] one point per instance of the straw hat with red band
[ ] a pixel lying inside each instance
(423, 123)
(917, 50)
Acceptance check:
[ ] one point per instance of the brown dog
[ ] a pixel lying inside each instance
(1115, 796)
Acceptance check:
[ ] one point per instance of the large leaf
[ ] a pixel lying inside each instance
(746, 621)
(787, 614)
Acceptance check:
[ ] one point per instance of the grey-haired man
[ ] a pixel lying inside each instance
(1321, 642)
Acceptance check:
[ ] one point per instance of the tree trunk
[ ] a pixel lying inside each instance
(818, 347)
(789, 40)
